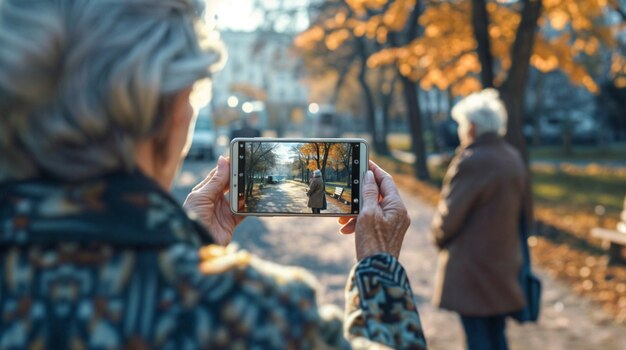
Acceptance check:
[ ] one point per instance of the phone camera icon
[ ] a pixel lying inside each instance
(240, 157)
(356, 201)
(356, 161)
(356, 182)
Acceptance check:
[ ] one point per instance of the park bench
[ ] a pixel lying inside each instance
(338, 192)
(613, 240)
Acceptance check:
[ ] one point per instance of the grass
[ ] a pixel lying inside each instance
(615, 152)
(400, 142)
(577, 191)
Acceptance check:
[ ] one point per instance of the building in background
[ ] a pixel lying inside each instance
(261, 82)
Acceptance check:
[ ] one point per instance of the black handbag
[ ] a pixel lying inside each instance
(324, 204)
(530, 283)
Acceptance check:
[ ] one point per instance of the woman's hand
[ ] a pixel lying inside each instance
(383, 220)
(208, 202)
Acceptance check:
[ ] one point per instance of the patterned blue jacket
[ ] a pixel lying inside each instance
(117, 263)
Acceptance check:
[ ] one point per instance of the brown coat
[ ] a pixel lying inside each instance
(477, 230)
(316, 193)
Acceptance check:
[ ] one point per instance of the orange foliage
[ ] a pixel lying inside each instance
(444, 55)
(618, 70)
(316, 152)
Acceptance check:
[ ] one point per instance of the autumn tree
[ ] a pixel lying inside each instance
(366, 24)
(260, 157)
(330, 47)
(325, 155)
(301, 163)
(342, 157)
(318, 153)
(462, 46)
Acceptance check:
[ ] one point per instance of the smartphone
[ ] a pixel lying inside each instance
(297, 177)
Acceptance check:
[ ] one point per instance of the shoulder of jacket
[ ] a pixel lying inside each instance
(470, 159)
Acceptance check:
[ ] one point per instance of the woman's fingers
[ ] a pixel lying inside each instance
(349, 227)
(344, 220)
(384, 180)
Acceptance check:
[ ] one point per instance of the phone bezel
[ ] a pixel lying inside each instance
(234, 169)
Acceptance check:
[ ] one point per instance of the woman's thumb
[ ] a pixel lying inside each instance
(219, 182)
(369, 190)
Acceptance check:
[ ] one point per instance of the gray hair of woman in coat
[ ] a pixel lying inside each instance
(317, 173)
(79, 89)
(480, 113)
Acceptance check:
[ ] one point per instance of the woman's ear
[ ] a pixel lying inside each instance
(180, 110)
(170, 145)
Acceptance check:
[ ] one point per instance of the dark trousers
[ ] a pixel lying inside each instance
(316, 210)
(485, 333)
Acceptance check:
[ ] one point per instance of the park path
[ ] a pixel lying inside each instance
(568, 321)
(290, 197)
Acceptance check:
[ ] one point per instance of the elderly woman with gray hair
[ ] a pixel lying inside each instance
(316, 193)
(94, 120)
(476, 226)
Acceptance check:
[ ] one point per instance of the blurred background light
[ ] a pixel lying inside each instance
(247, 107)
(314, 108)
(233, 102)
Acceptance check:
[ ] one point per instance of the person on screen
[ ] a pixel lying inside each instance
(95, 114)
(316, 193)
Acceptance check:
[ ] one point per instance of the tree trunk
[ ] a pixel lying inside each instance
(429, 123)
(417, 133)
(409, 89)
(480, 22)
(341, 79)
(514, 87)
(326, 149)
(386, 98)
(370, 111)
(348, 166)
(568, 133)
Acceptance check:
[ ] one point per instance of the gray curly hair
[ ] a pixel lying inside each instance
(81, 81)
(485, 110)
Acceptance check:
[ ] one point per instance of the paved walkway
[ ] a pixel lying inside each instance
(290, 197)
(568, 321)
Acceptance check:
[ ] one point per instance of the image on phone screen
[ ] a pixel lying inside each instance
(295, 177)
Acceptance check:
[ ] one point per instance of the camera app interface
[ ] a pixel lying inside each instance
(292, 177)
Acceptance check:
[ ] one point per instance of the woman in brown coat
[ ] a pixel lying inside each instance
(476, 226)
(316, 192)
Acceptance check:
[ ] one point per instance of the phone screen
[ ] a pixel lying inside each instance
(299, 177)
